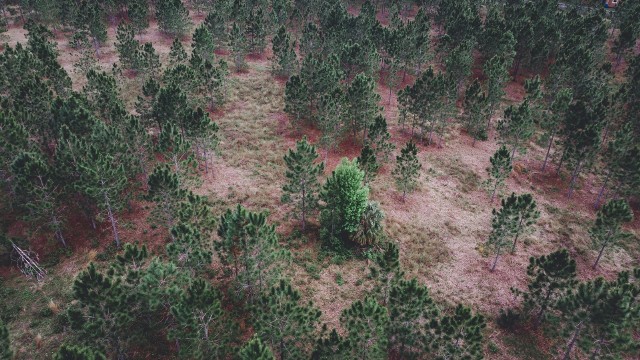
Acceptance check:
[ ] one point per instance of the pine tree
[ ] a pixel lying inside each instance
(331, 108)
(74, 352)
(407, 170)
(202, 327)
(165, 190)
(607, 230)
(103, 95)
(410, 309)
(345, 199)
(600, 316)
(366, 323)
(386, 271)
(295, 100)
(250, 245)
(127, 46)
(475, 108)
(239, 47)
(499, 171)
(553, 119)
(517, 215)
(172, 16)
(361, 104)
(177, 149)
(302, 173)
(138, 13)
(551, 277)
(255, 349)
(38, 193)
(329, 346)
(497, 75)
(5, 349)
(516, 127)
(459, 62)
(216, 21)
(177, 55)
(459, 335)
(379, 139)
(284, 322)
(284, 52)
(255, 30)
(202, 43)
(368, 164)
(189, 250)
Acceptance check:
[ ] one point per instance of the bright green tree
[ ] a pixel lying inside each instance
(283, 321)
(607, 230)
(407, 170)
(345, 200)
(366, 325)
(302, 173)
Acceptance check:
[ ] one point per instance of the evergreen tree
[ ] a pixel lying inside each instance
(459, 62)
(407, 170)
(459, 335)
(368, 164)
(138, 13)
(386, 271)
(516, 127)
(607, 230)
(331, 108)
(345, 199)
(201, 323)
(553, 118)
(497, 75)
(255, 349)
(410, 309)
(366, 323)
(499, 171)
(551, 277)
(255, 29)
(599, 316)
(476, 107)
(302, 187)
(295, 100)
(172, 16)
(284, 322)
(177, 55)
(284, 52)
(216, 22)
(189, 250)
(379, 139)
(38, 193)
(72, 352)
(5, 349)
(165, 190)
(202, 43)
(250, 245)
(361, 104)
(517, 215)
(329, 346)
(239, 47)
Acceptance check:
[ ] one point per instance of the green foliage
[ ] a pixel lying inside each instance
(302, 173)
(189, 250)
(295, 100)
(607, 230)
(499, 171)
(5, 350)
(255, 349)
(73, 352)
(284, 52)
(368, 164)
(250, 246)
(282, 321)
(165, 190)
(371, 230)
(551, 277)
(255, 29)
(239, 47)
(475, 108)
(202, 328)
(345, 200)
(386, 271)
(365, 323)
(138, 13)
(516, 216)
(177, 54)
(459, 335)
(379, 139)
(203, 44)
(497, 75)
(172, 16)
(407, 170)
(361, 104)
(516, 127)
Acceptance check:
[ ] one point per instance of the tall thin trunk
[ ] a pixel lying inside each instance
(546, 157)
(113, 221)
(595, 264)
(572, 342)
(601, 192)
(574, 178)
(303, 209)
(515, 241)
(495, 261)
(564, 153)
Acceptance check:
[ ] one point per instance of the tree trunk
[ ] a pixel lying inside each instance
(493, 193)
(546, 157)
(601, 192)
(495, 261)
(515, 241)
(303, 210)
(572, 342)
(595, 264)
(574, 178)
(113, 221)
(564, 153)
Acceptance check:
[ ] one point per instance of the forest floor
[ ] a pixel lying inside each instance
(440, 227)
